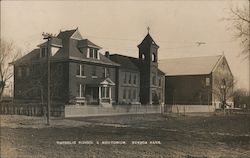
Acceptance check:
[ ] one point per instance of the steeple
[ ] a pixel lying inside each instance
(148, 49)
(148, 40)
(148, 56)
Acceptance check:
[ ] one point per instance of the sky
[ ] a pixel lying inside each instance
(119, 26)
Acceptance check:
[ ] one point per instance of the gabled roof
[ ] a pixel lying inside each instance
(57, 42)
(147, 41)
(87, 43)
(32, 56)
(189, 65)
(77, 35)
(102, 60)
(124, 61)
(66, 34)
(100, 81)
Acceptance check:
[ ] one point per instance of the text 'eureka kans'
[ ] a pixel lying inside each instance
(108, 142)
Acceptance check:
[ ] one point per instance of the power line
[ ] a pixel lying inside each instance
(159, 41)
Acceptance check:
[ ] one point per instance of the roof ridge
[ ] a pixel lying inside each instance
(122, 55)
(69, 30)
(192, 57)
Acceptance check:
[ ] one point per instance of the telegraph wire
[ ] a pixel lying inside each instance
(160, 41)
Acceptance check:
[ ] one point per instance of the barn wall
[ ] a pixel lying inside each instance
(188, 90)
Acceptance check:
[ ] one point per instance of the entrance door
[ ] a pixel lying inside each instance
(95, 94)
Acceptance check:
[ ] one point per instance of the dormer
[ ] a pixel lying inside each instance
(91, 49)
(54, 44)
(76, 35)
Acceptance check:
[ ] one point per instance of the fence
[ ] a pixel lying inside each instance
(83, 111)
(30, 109)
(189, 108)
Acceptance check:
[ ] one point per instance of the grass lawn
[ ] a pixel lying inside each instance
(179, 136)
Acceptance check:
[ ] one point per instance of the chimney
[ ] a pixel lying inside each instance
(107, 54)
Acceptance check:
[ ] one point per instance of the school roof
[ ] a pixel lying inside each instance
(69, 43)
(189, 65)
(124, 61)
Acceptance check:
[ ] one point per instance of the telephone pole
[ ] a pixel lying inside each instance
(48, 37)
(249, 47)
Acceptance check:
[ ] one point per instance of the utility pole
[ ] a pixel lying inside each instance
(249, 48)
(48, 37)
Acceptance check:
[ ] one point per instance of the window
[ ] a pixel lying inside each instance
(134, 94)
(80, 91)
(130, 78)
(19, 72)
(93, 53)
(153, 57)
(108, 72)
(207, 81)
(159, 82)
(80, 70)
(129, 94)
(105, 72)
(154, 80)
(27, 71)
(93, 70)
(143, 57)
(125, 78)
(134, 79)
(43, 52)
(90, 52)
(124, 93)
(105, 92)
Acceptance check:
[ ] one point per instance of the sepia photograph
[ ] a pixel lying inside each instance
(125, 79)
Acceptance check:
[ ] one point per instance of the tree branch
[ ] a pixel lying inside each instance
(239, 16)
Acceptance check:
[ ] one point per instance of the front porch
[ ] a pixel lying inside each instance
(98, 92)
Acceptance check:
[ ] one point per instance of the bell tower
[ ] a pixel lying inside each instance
(148, 56)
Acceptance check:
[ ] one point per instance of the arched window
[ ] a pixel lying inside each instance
(153, 57)
(143, 57)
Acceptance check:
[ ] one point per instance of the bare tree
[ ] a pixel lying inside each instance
(239, 23)
(241, 98)
(8, 54)
(223, 85)
(38, 82)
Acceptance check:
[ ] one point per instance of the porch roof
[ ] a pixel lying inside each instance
(100, 82)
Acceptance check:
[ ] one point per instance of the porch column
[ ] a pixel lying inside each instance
(100, 93)
(110, 99)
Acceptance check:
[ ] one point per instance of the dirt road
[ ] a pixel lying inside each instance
(143, 135)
